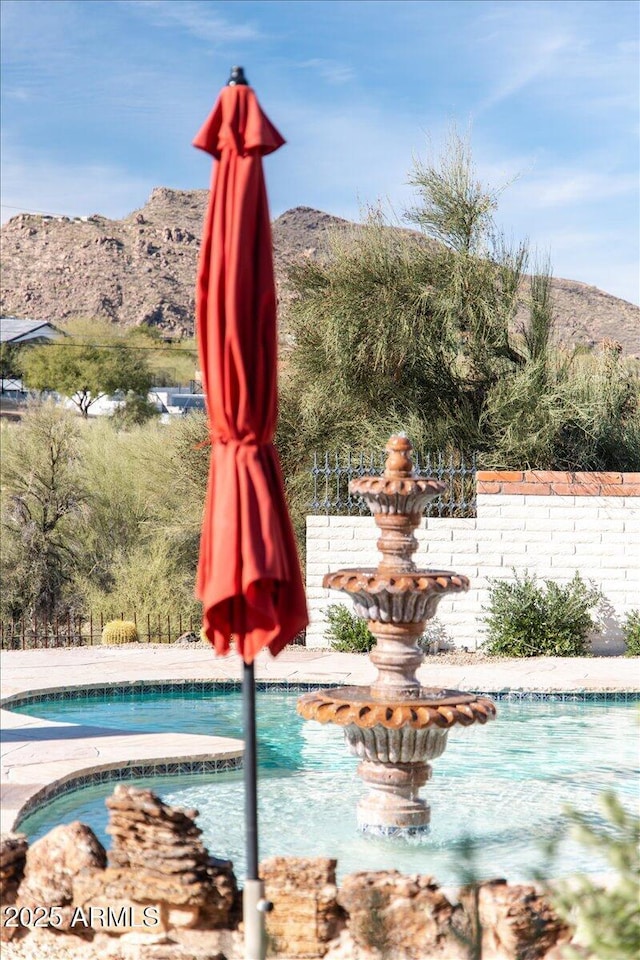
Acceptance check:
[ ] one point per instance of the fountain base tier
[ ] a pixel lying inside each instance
(424, 707)
(392, 803)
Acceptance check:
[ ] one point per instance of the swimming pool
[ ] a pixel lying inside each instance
(504, 785)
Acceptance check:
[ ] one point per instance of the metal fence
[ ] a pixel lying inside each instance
(74, 630)
(331, 473)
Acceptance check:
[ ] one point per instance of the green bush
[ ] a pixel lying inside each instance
(631, 629)
(136, 410)
(527, 619)
(347, 632)
(116, 632)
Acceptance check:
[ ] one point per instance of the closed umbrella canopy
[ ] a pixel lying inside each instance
(249, 577)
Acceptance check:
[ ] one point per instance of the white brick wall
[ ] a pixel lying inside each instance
(551, 536)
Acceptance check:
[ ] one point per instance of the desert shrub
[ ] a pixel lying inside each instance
(435, 637)
(135, 410)
(150, 578)
(347, 632)
(42, 513)
(631, 629)
(529, 619)
(116, 632)
(607, 918)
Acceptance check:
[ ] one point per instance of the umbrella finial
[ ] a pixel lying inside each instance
(237, 78)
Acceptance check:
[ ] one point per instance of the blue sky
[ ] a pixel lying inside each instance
(101, 99)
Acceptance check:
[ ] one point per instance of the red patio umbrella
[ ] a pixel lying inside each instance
(249, 576)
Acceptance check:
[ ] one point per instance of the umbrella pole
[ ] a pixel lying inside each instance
(254, 904)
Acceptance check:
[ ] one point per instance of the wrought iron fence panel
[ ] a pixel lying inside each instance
(83, 630)
(332, 472)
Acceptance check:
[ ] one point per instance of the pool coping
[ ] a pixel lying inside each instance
(39, 765)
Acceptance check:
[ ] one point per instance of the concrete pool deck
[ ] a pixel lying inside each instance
(38, 753)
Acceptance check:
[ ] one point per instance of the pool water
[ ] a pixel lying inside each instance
(503, 785)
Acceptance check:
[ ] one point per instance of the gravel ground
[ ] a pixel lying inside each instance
(183, 945)
(459, 656)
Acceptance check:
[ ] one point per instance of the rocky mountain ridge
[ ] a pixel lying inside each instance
(142, 269)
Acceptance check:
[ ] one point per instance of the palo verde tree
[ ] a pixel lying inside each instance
(92, 361)
(446, 333)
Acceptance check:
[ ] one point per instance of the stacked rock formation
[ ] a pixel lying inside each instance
(306, 915)
(157, 858)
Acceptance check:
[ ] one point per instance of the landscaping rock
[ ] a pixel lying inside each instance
(53, 862)
(397, 916)
(517, 921)
(13, 852)
(158, 860)
(305, 915)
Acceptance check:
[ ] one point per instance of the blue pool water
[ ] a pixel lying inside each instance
(503, 785)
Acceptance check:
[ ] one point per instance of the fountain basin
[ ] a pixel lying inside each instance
(395, 739)
(429, 707)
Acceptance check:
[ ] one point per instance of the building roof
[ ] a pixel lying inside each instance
(13, 330)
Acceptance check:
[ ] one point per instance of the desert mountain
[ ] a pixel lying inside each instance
(141, 270)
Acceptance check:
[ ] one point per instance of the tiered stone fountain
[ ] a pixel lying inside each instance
(396, 726)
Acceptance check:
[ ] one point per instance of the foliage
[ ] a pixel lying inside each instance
(142, 538)
(435, 637)
(123, 512)
(607, 918)
(347, 632)
(135, 411)
(447, 336)
(527, 619)
(119, 631)
(149, 579)
(43, 512)
(90, 362)
(9, 360)
(632, 633)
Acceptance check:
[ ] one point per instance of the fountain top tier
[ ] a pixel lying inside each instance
(396, 500)
(396, 598)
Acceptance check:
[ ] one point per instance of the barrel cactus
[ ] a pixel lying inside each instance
(119, 631)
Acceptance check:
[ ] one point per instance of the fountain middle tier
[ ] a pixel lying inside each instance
(398, 597)
(396, 606)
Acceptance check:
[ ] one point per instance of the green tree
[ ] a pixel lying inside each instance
(400, 328)
(9, 360)
(90, 362)
(446, 334)
(42, 510)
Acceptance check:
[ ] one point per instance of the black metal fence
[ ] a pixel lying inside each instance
(74, 630)
(331, 473)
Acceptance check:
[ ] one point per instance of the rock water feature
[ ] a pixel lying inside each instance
(396, 726)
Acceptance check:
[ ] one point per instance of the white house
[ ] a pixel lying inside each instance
(15, 331)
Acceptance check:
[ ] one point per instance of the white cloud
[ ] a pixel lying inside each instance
(561, 52)
(195, 18)
(330, 70)
(561, 188)
(540, 61)
(35, 184)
